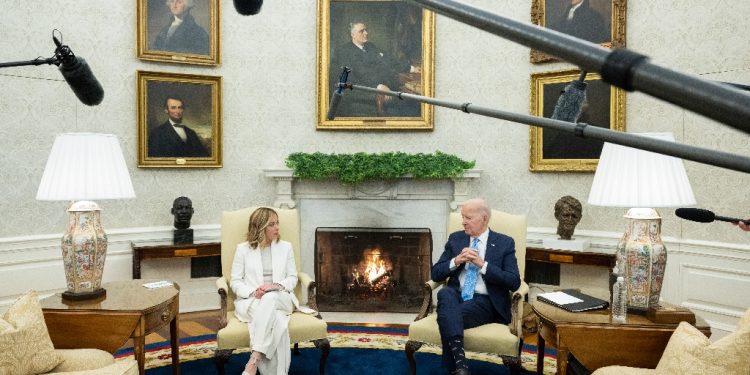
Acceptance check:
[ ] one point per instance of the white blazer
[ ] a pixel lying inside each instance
(247, 275)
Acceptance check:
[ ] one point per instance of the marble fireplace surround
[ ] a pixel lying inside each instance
(401, 203)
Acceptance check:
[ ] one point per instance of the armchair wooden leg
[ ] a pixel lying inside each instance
(325, 347)
(513, 363)
(221, 356)
(410, 348)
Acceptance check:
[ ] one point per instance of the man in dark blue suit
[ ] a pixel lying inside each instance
(460, 306)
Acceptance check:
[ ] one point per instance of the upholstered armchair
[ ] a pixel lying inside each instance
(690, 352)
(26, 347)
(503, 340)
(234, 334)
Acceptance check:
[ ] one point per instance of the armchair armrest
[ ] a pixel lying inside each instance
(223, 289)
(427, 289)
(221, 284)
(304, 279)
(309, 285)
(516, 308)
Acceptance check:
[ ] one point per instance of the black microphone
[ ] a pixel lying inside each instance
(338, 93)
(248, 7)
(570, 103)
(77, 73)
(704, 216)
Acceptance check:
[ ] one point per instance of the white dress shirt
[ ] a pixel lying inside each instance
(480, 287)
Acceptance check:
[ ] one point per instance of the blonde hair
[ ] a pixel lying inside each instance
(256, 227)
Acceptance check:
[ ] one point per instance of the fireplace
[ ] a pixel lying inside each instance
(371, 269)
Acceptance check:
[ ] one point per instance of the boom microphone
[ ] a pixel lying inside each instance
(704, 216)
(338, 93)
(248, 7)
(570, 103)
(77, 73)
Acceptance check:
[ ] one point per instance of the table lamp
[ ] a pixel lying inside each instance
(641, 180)
(83, 167)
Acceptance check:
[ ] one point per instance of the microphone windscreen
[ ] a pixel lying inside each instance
(695, 214)
(335, 100)
(82, 81)
(248, 7)
(570, 102)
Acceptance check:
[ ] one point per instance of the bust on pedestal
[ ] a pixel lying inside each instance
(568, 212)
(182, 209)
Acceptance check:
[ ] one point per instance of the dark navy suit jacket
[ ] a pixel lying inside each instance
(502, 275)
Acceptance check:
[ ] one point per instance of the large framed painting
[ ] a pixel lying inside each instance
(555, 151)
(179, 31)
(597, 21)
(388, 45)
(179, 120)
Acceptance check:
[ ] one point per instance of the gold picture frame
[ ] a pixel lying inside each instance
(555, 151)
(195, 40)
(551, 13)
(399, 52)
(179, 120)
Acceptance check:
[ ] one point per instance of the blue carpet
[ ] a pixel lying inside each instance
(342, 361)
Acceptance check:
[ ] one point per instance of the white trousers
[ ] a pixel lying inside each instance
(269, 331)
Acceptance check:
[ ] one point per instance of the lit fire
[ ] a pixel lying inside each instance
(373, 273)
(375, 269)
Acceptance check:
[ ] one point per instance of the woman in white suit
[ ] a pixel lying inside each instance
(263, 278)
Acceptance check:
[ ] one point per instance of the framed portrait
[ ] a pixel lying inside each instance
(179, 31)
(179, 120)
(556, 151)
(388, 45)
(597, 21)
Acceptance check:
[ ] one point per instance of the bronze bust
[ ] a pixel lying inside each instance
(182, 209)
(568, 212)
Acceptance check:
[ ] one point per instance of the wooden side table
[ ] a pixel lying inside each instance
(571, 257)
(597, 342)
(155, 250)
(129, 310)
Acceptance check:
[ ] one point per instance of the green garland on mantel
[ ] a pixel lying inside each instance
(352, 169)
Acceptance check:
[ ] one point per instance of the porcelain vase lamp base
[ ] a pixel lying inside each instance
(84, 250)
(642, 259)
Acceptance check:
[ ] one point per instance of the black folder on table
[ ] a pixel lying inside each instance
(589, 302)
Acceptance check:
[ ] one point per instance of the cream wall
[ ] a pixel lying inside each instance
(269, 102)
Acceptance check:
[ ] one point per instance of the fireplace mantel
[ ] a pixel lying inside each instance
(289, 188)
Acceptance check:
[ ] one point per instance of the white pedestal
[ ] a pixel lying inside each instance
(571, 244)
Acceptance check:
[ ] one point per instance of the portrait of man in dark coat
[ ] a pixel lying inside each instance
(181, 33)
(173, 138)
(580, 19)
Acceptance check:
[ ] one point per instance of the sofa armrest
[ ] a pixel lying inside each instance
(223, 289)
(127, 366)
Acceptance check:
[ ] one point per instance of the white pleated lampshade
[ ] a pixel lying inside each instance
(629, 177)
(85, 166)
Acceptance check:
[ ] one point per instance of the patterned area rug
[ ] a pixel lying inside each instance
(361, 337)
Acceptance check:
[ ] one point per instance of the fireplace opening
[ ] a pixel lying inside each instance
(372, 269)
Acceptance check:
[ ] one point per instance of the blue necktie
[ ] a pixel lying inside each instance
(472, 271)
